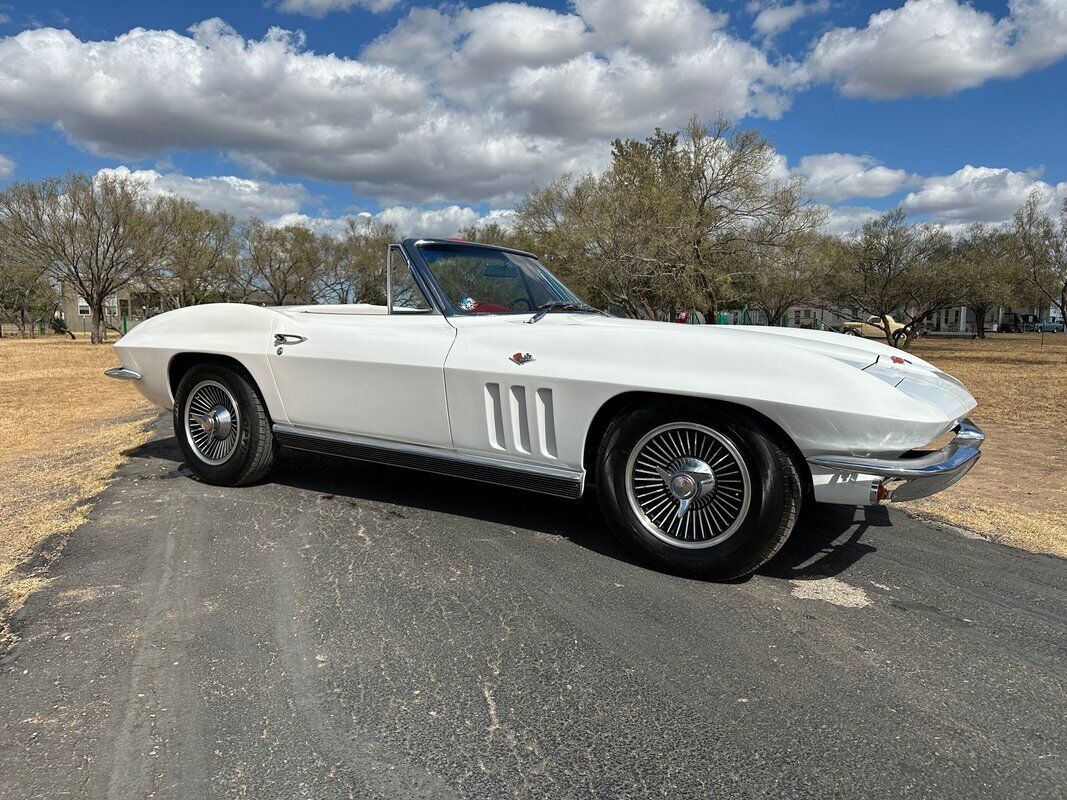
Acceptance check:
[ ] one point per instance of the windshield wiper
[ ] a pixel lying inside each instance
(548, 308)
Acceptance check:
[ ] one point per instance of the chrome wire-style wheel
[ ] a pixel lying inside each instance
(212, 422)
(688, 485)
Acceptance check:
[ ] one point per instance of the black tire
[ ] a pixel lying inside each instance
(251, 452)
(852, 332)
(774, 485)
(900, 338)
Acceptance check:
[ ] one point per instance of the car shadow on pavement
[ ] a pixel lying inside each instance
(825, 542)
(335, 478)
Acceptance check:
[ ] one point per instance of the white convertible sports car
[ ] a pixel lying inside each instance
(701, 441)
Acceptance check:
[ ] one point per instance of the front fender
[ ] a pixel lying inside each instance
(231, 330)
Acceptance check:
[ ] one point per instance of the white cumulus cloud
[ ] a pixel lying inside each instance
(980, 194)
(834, 177)
(7, 167)
(462, 105)
(937, 47)
(238, 196)
(841, 220)
(442, 222)
(409, 220)
(320, 8)
(772, 17)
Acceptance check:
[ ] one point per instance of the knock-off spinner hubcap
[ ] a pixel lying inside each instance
(688, 485)
(683, 487)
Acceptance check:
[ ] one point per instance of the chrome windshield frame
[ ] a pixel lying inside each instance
(413, 250)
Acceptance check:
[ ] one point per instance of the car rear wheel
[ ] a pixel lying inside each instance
(698, 491)
(222, 426)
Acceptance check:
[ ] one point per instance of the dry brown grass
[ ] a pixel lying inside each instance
(63, 429)
(1018, 492)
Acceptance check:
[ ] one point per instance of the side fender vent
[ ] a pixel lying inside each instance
(494, 416)
(546, 423)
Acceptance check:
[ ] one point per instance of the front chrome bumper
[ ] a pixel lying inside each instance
(907, 477)
(123, 374)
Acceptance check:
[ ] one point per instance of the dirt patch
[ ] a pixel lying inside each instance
(831, 590)
(1017, 494)
(64, 427)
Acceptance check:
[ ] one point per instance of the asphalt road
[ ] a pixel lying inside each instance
(347, 630)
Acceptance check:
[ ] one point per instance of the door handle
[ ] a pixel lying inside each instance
(288, 338)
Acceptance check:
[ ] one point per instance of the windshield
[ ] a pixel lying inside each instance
(476, 280)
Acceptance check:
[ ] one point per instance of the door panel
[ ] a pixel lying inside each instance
(378, 375)
(535, 411)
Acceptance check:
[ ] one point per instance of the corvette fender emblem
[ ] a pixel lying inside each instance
(522, 358)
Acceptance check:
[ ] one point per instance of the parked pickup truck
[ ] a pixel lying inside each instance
(872, 328)
(1049, 326)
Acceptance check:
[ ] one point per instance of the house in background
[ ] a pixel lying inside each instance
(122, 310)
(961, 319)
(819, 319)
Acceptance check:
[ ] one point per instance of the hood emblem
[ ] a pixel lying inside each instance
(522, 358)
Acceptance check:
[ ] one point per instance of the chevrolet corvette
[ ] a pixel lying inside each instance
(701, 442)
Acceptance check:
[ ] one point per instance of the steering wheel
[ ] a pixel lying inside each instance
(517, 300)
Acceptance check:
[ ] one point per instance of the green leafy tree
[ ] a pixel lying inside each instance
(1042, 242)
(891, 266)
(775, 277)
(495, 233)
(660, 229)
(985, 259)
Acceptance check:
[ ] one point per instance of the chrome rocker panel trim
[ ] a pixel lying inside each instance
(912, 478)
(558, 481)
(123, 374)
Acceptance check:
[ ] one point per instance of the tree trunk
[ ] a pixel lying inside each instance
(99, 334)
(979, 321)
(888, 330)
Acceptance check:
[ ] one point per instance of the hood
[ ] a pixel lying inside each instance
(853, 350)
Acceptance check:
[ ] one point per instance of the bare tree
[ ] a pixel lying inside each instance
(354, 262)
(27, 296)
(199, 261)
(285, 264)
(1042, 242)
(890, 265)
(775, 277)
(97, 234)
(937, 286)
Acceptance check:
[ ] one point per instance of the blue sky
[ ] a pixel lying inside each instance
(440, 115)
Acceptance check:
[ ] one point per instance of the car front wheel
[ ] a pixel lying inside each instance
(222, 426)
(699, 491)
